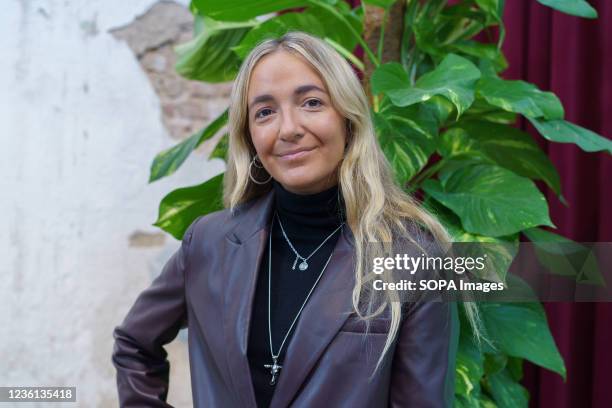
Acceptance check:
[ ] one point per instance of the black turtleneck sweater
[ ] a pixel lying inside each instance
(307, 221)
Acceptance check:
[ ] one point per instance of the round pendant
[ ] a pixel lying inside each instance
(303, 266)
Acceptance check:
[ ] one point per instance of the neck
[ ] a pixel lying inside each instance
(305, 214)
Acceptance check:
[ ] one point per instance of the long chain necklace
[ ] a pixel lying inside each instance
(304, 263)
(275, 367)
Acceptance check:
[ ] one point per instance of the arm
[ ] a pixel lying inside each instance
(153, 321)
(423, 371)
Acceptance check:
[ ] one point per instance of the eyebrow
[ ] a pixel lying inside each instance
(298, 91)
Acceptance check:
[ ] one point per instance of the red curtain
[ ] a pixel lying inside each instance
(572, 57)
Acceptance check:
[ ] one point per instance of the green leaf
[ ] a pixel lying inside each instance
(484, 51)
(518, 290)
(168, 161)
(494, 362)
(318, 21)
(276, 27)
(561, 131)
(380, 3)
(460, 160)
(424, 30)
(343, 25)
(476, 401)
(486, 402)
(463, 402)
(521, 330)
(515, 368)
(405, 136)
(491, 200)
(440, 108)
(220, 150)
(454, 79)
(469, 367)
(208, 57)
(437, 29)
(506, 392)
(482, 110)
(520, 97)
(579, 8)
(494, 9)
(499, 252)
(504, 145)
(437, 25)
(564, 257)
(238, 10)
(179, 208)
(346, 54)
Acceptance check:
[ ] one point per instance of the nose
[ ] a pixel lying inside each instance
(290, 127)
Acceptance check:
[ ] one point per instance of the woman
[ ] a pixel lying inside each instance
(275, 288)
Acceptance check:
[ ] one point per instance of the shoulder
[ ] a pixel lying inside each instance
(216, 223)
(213, 220)
(421, 238)
(219, 223)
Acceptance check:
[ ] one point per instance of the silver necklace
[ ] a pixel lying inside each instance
(304, 263)
(275, 367)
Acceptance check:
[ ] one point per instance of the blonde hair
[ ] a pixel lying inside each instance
(377, 209)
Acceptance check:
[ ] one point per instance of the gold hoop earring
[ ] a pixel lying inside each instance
(259, 166)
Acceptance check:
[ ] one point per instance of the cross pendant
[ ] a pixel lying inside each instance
(274, 370)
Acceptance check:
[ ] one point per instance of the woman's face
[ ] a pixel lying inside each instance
(297, 133)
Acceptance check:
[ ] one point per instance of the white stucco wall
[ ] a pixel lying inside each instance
(79, 126)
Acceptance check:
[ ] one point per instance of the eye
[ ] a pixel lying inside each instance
(318, 103)
(258, 114)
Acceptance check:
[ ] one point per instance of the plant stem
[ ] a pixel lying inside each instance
(424, 175)
(346, 53)
(355, 34)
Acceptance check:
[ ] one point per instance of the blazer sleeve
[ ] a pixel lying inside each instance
(154, 320)
(423, 372)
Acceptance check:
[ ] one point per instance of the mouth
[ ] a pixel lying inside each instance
(297, 154)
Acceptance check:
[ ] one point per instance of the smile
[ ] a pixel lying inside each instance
(297, 155)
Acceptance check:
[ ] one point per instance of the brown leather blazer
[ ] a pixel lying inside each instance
(208, 286)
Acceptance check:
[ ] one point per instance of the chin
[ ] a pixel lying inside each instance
(296, 177)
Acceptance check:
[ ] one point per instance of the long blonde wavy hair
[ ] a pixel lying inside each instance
(377, 209)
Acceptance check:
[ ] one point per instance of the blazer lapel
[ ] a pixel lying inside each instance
(325, 312)
(242, 263)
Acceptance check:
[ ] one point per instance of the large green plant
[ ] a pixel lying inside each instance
(444, 118)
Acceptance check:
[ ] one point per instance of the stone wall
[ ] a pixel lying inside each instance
(89, 97)
(186, 105)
